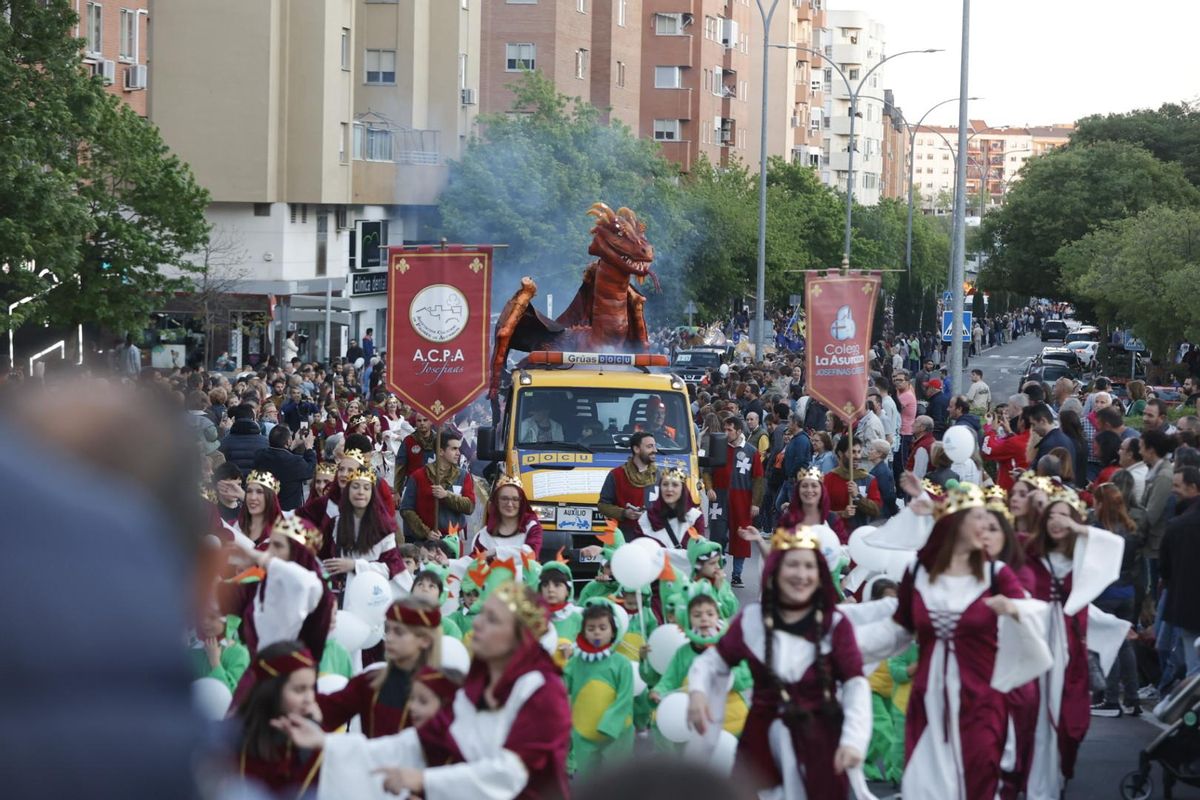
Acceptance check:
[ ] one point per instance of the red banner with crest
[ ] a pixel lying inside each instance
(439, 314)
(839, 310)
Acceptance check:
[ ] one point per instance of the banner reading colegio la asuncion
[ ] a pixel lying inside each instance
(439, 309)
(839, 311)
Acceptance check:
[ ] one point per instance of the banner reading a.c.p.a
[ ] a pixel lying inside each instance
(839, 310)
(439, 309)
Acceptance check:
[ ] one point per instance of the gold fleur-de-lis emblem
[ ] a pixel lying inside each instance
(402, 265)
(476, 265)
(816, 290)
(849, 407)
(867, 288)
(437, 407)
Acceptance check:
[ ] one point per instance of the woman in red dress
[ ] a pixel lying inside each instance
(286, 681)
(260, 508)
(798, 739)
(506, 735)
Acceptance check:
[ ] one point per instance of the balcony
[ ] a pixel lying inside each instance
(840, 161)
(673, 50)
(804, 10)
(849, 54)
(668, 104)
(393, 183)
(679, 151)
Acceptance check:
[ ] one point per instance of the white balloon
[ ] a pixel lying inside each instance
(724, 754)
(639, 685)
(646, 543)
(454, 655)
(211, 698)
(671, 718)
(368, 595)
(863, 554)
(663, 643)
(350, 631)
(374, 635)
(958, 442)
(328, 684)
(634, 567)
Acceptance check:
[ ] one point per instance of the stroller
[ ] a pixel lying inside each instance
(1177, 748)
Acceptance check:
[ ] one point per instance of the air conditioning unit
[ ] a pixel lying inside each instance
(729, 33)
(468, 97)
(105, 69)
(135, 77)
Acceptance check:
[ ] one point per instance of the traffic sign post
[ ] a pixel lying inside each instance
(948, 324)
(947, 298)
(1133, 346)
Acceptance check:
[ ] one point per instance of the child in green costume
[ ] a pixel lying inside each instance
(698, 614)
(557, 587)
(604, 584)
(632, 645)
(599, 682)
(891, 683)
(430, 585)
(708, 564)
(215, 654)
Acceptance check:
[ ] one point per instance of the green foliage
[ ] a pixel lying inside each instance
(1172, 133)
(1141, 272)
(84, 182)
(1061, 197)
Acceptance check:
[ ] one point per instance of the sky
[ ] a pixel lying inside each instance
(1037, 62)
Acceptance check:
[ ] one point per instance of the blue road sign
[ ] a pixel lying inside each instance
(948, 323)
(1133, 344)
(947, 297)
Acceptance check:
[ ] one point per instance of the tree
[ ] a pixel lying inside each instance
(89, 191)
(1172, 133)
(1062, 196)
(218, 267)
(1141, 271)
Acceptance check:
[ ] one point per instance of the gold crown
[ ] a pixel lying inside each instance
(358, 455)
(362, 474)
(799, 538)
(326, 468)
(933, 489)
(961, 498)
(208, 494)
(508, 480)
(810, 474)
(1060, 493)
(528, 613)
(264, 479)
(1039, 482)
(358, 419)
(674, 474)
(294, 529)
(996, 499)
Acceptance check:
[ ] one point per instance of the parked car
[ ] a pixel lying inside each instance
(1085, 350)
(1054, 329)
(692, 365)
(1048, 372)
(1063, 354)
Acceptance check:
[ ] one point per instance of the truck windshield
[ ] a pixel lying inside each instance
(601, 419)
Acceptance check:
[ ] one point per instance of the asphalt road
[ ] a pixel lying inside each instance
(1112, 745)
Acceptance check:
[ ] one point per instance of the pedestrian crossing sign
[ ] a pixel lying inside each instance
(948, 323)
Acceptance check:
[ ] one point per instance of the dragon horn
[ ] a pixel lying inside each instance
(609, 537)
(694, 534)
(628, 214)
(559, 556)
(668, 572)
(601, 212)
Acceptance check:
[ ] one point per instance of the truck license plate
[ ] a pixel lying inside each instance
(574, 518)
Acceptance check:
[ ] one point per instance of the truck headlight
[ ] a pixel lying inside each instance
(544, 513)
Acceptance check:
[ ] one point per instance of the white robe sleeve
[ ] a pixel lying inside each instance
(856, 711)
(881, 639)
(711, 675)
(907, 530)
(1096, 565)
(350, 760)
(1105, 634)
(1021, 650)
(370, 562)
(500, 777)
(280, 608)
(868, 612)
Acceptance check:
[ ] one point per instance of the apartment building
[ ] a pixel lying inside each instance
(796, 94)
(323, 133)
(698, 65)
(116, 46)
(854, 43)
(591, 49)
(894, 177)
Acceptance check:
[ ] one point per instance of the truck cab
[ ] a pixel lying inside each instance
(566, 422)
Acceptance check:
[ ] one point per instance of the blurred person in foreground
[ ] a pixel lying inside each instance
(126, 508)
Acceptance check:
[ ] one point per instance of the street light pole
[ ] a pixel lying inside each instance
(853, 92)
(912, 138)
(760, 322)
(960, 207)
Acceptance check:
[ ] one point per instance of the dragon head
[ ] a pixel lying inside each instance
(619, 239)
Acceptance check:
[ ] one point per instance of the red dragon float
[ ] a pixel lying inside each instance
(606, 312)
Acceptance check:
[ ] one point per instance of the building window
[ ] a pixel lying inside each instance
(622, 13)
(669, 78)
(322, 243)
(95, 28)
(346, 49)
(718, 82)
(621, 74)
(462, 70)
(666, 130)
(869, 180)
(520, 57)
(581, 6)
(262, 209)
(129, 35)
(372, 144)
(343, 140)
(381, 66)
(852, 73)
(711, 27)
(581, 63)
(668, 24)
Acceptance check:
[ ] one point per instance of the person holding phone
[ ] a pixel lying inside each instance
(627, 489)
(291, 458)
